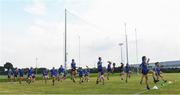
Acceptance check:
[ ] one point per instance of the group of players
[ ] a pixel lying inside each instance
(125, 72)
(61, 73)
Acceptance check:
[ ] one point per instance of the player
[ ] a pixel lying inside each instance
(114, 65)
(30, 75)
(73, 70)
(86, 75)
(122, 71)
(127, 71)
(81, 75)
(15, 71)
(145, 71)
(10, 75)
(33, 76)
(100, 71)
(109, 70)
(53, 75)
(61, 73)
(45, 75)
(158, 72)
(21, 73)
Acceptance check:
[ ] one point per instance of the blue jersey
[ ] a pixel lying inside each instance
(53, 72)
(45, 72)
(15, 72)
(21, 72)
(99, 64)
(30, 72)
(109, 67)
(61, 70)
(81, 72)
(10, 72)
(73, 65)
(144, 68)
(86, 71)
(157, 70)
(127, 68)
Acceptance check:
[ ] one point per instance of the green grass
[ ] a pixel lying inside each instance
(112, 86)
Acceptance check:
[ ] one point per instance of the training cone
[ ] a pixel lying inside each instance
(170, 82)
(155, 87)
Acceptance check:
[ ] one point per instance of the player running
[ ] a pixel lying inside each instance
(45, 75)
(21, 73)
(158, 72)
(73, 70)
(100, 71)
(86, 74)
(81, 75)
(122, 71)
(113, 69)
(30, 75)
(15, 73)
(61, 73)
(53, 75)
(127, 71)
(109, 70)
(145, 71)
(10, 75)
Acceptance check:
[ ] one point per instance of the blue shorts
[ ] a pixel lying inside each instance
(145, 72)
(109, 70)
(100, 70)
(80, 75)
(126, 71)
(157, 73)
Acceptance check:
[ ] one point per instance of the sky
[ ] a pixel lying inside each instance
(31, 29)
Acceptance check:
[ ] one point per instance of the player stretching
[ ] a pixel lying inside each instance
(100, 71)
(73, 70)
(108, 69)
(145, 71)
(158, 72)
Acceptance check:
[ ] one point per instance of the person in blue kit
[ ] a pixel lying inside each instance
(158, 72)
(21, 73)
(15, 71)
(53, 75)
(145, 71)
(122, 71)
(45, 75)
(100, 71)
(73, 70)
(109, 70)
(81, 75)
(61, 73)
(10, 75)
(127, 71)
(86, 74)
(30, 75)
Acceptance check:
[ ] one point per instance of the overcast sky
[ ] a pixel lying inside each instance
(35, 28)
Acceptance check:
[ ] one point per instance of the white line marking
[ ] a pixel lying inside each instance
(141, 92)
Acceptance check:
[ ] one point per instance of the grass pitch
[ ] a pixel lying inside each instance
(112, 86)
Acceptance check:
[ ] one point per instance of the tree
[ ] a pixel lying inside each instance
(1, 69)
(8, 65)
